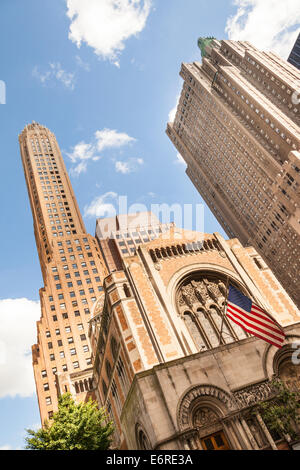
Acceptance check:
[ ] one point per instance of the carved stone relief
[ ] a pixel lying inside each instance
(254, 394)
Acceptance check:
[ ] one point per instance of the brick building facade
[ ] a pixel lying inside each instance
(72, 269)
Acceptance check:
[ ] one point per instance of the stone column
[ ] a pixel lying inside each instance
(249, 434)
(198, 442)
(231, 433)
(185, 445)
(193, 443)
(242, 435)
(266, 431)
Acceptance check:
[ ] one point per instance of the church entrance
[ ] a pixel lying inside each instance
(215, 441)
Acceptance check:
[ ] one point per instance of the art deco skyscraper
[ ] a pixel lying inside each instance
(294, 57)
(72, 270)
(237, 128)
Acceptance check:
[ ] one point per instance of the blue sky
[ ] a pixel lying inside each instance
(108, 103)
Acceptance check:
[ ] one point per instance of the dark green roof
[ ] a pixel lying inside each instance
(203, 42)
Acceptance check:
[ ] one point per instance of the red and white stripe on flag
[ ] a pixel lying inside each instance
(256, 322)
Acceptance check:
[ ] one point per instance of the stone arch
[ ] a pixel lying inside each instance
(204, 396)
(186, 271)
(141, 437)
(272, 356)
(203, 292)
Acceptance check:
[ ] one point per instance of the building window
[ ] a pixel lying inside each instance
(48, 401)
(108, 369)
(114, 347)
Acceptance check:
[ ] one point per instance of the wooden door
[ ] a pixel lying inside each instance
(215, 441)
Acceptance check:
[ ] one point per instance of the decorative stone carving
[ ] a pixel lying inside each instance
(205, 291)
(204, 416)
(256, 432)
(253, 394)
(184, 413)
(98, 305)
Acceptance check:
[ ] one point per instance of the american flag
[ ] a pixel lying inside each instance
(253, 319)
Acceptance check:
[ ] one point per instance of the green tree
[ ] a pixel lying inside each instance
(281, 414)
(74, 427)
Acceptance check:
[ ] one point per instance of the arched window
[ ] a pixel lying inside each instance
(108, 368)
(201, 299)
(126, 290)
(104, 387)
(288, 372)
(115, 394)
(193, 328)
(142, 439)
(153, 257)
(114, 347)
(122, 375)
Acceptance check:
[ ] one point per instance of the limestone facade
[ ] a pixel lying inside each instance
(237, 128)
(170, 374)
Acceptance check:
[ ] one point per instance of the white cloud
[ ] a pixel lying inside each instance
(82, 151)
(102, 206)
(108, 138)
(269, 25)
(172, 113)
(78, 169)
(179, 160)
(105, 25)
(128, 166)
(5, 447)
(84, 65)
(55, 72)
(103, 140)
(17, 334)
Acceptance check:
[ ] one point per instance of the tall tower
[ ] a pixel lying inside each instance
(237, 128)
(294, 57)
(72, 270)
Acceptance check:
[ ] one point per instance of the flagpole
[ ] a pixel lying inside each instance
(225, 305)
